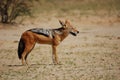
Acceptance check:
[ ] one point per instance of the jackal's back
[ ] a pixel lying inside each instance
(45, 32)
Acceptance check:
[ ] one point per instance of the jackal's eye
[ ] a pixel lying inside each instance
(72, 28)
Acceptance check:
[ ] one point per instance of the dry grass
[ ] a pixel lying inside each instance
(93, 55)
(77, 7)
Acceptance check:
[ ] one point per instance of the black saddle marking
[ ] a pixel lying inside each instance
(45, 32)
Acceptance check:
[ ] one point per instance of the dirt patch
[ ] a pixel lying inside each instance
(93, 55)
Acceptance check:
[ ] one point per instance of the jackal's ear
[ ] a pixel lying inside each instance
(62, 23)
(67, 22)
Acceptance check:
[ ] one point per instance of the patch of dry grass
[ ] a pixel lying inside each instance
(84, 6)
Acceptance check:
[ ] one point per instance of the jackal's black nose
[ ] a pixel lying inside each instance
(77, 31)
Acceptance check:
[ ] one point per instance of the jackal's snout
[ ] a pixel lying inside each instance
(74, 32)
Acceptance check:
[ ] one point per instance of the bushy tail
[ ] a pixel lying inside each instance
(21, 47)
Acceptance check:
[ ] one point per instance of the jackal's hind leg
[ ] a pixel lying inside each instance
(26, 52)
(23, 58)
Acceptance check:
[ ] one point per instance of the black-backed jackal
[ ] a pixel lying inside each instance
(44, 36)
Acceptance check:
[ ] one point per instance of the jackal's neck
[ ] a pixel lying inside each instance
(63, 35)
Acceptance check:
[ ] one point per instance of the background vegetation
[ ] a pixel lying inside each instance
(61, 7)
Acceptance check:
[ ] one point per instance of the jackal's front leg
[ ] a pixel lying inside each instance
(54, 54)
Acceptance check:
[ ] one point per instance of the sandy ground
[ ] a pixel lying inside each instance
(93, 55)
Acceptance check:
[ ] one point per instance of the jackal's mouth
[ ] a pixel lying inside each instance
(73, 33)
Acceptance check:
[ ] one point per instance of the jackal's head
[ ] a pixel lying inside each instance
(68, 27)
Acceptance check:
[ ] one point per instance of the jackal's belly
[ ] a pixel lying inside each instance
(30, 37)
(42, 39)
